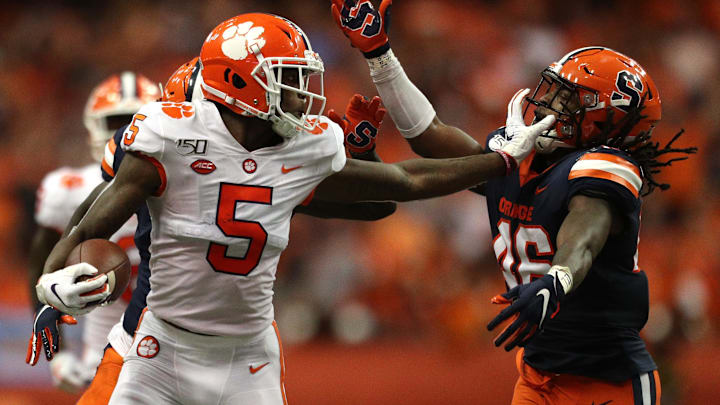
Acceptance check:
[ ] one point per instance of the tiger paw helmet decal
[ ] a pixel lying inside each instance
(240, 38)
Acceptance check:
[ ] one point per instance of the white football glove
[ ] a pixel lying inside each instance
(521, 137)
(69, 373)
(60, 290)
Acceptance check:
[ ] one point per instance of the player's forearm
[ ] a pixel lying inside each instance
(444, 141)
(582, 235)
(84, 207)
(414, 115)
(577, 257)
(436, 177)
(113, 207)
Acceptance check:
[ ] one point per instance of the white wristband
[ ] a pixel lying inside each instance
(409, 108)
(562, 274)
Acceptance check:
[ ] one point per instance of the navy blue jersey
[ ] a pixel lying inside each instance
(110, 164)
(596, 331)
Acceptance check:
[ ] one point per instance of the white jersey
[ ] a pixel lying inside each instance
(59, 195)
(221, 219)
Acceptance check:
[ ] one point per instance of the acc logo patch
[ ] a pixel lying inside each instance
(148, 347)
(240, 38)
(178, 110)
(249, 166)
(203, 166)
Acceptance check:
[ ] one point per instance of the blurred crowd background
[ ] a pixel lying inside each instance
(369, 311)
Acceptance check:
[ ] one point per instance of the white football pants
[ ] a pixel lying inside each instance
(168, 365)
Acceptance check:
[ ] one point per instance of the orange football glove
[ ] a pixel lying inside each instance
(364, 25)
(360, 123)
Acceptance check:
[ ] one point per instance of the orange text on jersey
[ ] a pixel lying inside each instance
(519, 211)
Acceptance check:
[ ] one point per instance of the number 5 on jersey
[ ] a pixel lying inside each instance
(230, 196)
(132, 130)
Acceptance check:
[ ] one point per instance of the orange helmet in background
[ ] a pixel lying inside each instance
(608, 86)
(112, 104)
(243, 60)
(180, 86)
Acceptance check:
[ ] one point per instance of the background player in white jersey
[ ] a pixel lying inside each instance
(109, 107)
(222, 178)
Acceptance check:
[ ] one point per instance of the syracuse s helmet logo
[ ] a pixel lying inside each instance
(240, 39)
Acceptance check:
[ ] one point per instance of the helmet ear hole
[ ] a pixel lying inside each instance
(237, 81)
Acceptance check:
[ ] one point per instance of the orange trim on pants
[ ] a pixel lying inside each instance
(537, 387)
(282, 364)
(105, 379)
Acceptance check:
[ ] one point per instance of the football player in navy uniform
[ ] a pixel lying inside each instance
(565, 223)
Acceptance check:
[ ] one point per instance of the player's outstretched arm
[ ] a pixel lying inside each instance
(46, 321)
(425, 178)
(409, 180)
(414, 116)
(582, 236)
(137, 179)
(360, 125)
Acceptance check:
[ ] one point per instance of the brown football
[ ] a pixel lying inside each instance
(109, 259)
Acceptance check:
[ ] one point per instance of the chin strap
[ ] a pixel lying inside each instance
(247, 110)
(284, 128)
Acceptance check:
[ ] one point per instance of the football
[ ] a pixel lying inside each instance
(109, 259)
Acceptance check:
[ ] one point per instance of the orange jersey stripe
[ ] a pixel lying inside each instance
(600, 174)
(282, 364)
(612, 158)
(112, 145)
(308, 199)
(109, 170)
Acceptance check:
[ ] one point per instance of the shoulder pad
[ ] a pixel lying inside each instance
(608, 164)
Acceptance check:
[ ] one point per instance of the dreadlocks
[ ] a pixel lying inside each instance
(645, 152)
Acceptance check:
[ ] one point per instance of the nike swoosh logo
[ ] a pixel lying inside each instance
(546, 298)
(541, 189)
(286, 170)
(604, 403)
(254, 370)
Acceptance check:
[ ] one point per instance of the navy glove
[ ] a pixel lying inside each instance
(533, 304)
(369, 35)
(46, 332)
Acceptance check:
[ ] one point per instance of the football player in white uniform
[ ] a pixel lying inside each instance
(110, 106)
(222, 177)
(182, 87)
